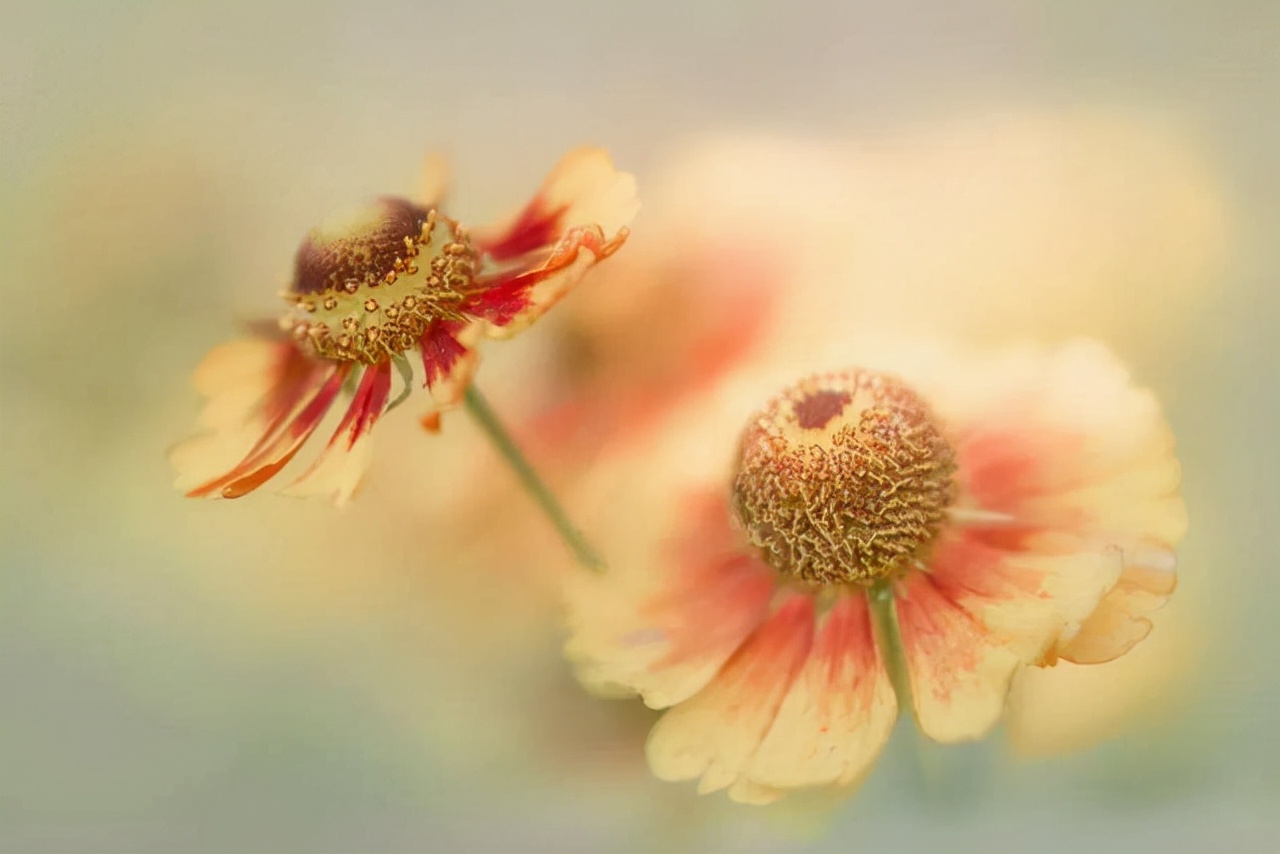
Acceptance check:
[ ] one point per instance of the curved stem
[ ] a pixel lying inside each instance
(537, 489)
(890, 639)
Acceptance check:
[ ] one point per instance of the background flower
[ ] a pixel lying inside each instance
(181, 678)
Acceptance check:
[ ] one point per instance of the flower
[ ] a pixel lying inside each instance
(974, 520)
(397, 276)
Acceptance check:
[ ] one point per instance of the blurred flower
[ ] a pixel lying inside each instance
(367, 289)
(1069, 707)
(986, 517)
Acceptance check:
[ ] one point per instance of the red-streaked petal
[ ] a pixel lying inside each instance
(583, 188)
(981, 612)
(509, 302)
(253, 385)
(715, 734)
(449, 358)
(340, 466)
(837, 716)
(276, 449)
(1069, 446)
(667, 643)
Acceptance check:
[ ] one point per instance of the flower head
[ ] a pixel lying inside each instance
(978, 519)
(394, 279)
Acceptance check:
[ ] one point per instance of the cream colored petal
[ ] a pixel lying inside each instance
(584, 188)
(982, 612)
(715, 734)
(1122, 618)
(433, 182)
(1065, 443)
(1068, 707)
(236, 378)
(837, 716)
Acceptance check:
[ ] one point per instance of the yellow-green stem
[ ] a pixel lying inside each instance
(890, 639)
(537, 489)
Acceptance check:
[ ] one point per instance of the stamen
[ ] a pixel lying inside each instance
(341, 263)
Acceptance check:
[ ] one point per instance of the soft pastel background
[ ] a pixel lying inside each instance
(267, 675)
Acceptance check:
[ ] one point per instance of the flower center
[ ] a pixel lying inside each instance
(366, 286)
(843, 478)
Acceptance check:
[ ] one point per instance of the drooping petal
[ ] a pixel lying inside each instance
(981, 612)
(279, 446)
(1067, 445)
(340, 466)
(449, 358)
(837, 716)
(715, 734)
(584, 188)
(666, 639)
(252, 386)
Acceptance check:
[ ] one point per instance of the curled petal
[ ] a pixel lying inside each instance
(511, 301)
(1122, 618)
(715, 734)
(340, 466)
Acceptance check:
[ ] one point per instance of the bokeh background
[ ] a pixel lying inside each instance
(270, 675)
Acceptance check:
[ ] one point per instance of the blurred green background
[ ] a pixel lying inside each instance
(269, 675)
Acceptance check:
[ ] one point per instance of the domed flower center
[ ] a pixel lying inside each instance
(843, 479)
(366, 286)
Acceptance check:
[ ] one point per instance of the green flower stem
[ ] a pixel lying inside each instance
(890, 639)
(502, 441)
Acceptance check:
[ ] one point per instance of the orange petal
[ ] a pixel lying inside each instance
(837, 716)
(653, 636)
(715, 734)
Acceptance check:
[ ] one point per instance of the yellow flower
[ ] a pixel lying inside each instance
(963, 521)
(396, 277)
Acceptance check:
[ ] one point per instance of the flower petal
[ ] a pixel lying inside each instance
(715, 734)
(276, 448)
(433, 182)
(837, 716)
(1121, 619)
(981, 612)
(1070, 446)
(253, 386)
(449, 358)
(667, 643)
(340, 466)
(510, 302)
(583, 188)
